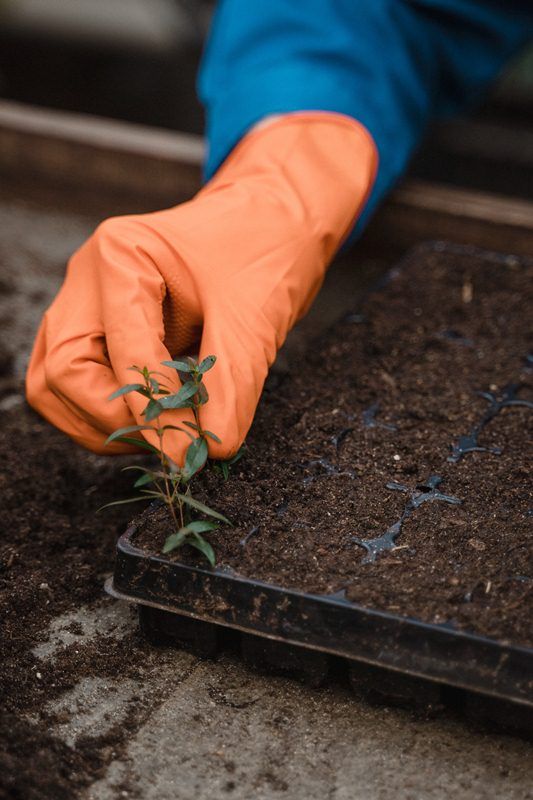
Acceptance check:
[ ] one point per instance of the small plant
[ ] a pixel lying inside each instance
(168, 482)
(223, 467)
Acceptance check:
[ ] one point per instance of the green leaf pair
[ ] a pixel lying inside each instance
(181, 399)
(225, 466)
(190, 367)
(195, 458)
(162, 482)
(190, 534)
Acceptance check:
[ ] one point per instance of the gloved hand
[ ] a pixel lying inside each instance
(228, 272)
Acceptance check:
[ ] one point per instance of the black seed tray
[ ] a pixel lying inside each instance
(395, 659)
(188, 604)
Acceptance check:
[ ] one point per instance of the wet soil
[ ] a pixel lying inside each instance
(54, 549)
(54, 553)
(363, 443)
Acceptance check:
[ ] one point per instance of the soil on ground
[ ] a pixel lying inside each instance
(54, 554)
(55, 550)
(364, 440)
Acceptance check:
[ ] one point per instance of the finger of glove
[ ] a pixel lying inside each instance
(77, 373)
(52, 408)
(235, 382)
(132, 291)
(76, 366)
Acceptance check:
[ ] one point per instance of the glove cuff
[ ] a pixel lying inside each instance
(326, 162)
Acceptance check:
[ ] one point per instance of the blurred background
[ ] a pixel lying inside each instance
(137, 60)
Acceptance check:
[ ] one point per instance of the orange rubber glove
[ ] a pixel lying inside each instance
(228, 273)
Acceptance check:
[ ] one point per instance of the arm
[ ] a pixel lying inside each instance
(390, 64)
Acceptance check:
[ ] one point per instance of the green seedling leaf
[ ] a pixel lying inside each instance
(204, 547)
(147, 477)
(129, 387)
(139, 442)
(224, 466)
(122, 502)
(190, 501)
(202, 525)
(118, 434)
(181, 366)
(152, 410)
(188, 534)
(140, 390)
(207, 364)
(179, 400)
(167, 479)
(195, 458)
(143, 480)
(192, 425)
(203, 395)
(175, 540)
(154, 472)
(238, 455)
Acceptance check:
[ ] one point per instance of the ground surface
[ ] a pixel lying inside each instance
(91, 711)
(360, 445)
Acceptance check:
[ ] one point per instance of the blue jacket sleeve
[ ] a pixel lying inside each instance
(391, 64)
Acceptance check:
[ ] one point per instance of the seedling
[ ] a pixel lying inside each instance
(168, 482)
(224, 467)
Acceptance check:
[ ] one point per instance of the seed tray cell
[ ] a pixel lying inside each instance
(172, 597)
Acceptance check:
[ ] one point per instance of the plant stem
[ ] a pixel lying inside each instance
(169, 494)
(196, 406)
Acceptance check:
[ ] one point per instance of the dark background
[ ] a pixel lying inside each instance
(137, 60)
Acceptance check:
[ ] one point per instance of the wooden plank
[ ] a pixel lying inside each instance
(122, 158)
(99, 154)
(418, 211)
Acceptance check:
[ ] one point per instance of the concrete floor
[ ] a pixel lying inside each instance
(215, 729)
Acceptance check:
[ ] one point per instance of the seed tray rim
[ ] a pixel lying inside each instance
(432, 633)
(125, 544)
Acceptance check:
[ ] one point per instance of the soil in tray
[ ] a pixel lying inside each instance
(363, 440)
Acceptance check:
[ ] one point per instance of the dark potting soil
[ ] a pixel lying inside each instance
(55, 550)
(54, 553)
(407, 424)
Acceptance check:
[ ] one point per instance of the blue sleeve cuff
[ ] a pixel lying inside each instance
(391, 64)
